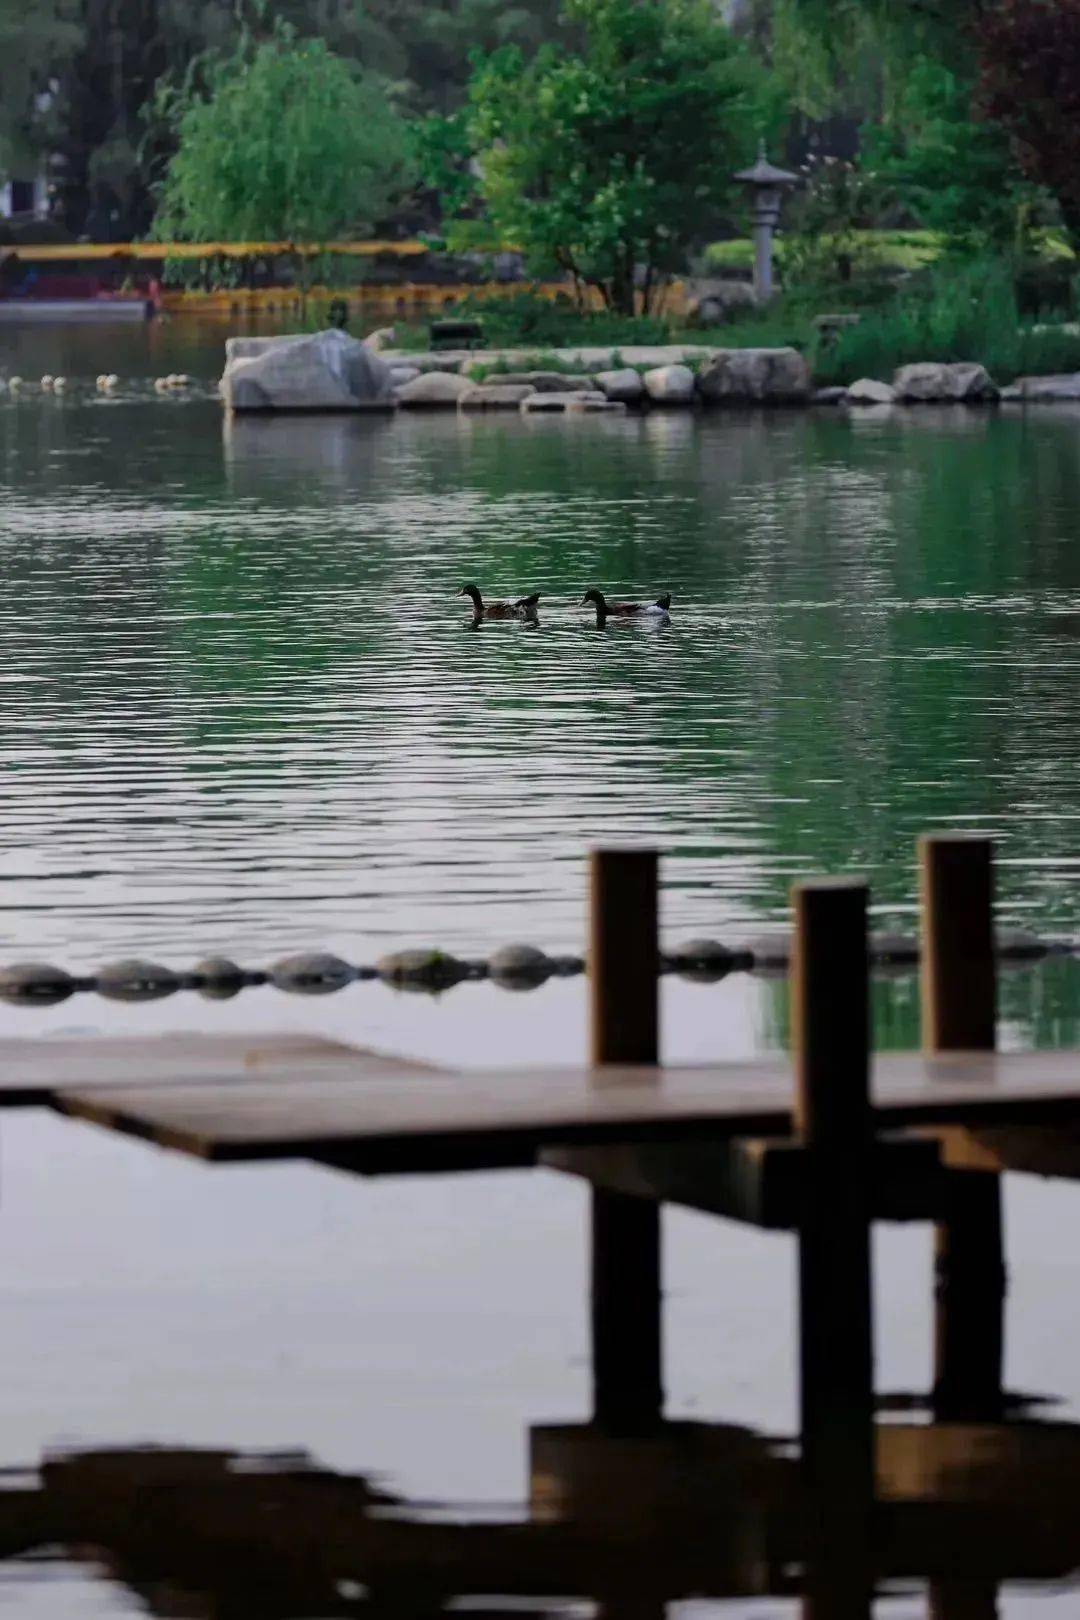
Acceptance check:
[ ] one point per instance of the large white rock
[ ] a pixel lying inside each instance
(955, 382)
(384, 337)
(1065, 385)
(590, 404)
(623, 385)
(490, 397)
(431, 390)
(545, 382)
(868, 391)
(542, 401)
(758, 376)
(712, 299)
(316, 371)
(670, 385)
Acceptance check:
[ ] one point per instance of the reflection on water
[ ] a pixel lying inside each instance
(627, 1528)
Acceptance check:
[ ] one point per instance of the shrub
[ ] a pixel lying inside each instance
(527, 320)
(958, 311)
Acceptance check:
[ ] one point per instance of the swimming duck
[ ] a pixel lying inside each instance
(523, 608)
(627, 610)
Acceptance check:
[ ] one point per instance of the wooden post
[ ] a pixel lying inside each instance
(959, 1009)
(959, 982)
(624, 999)
(831, 1054)
(963, 1600)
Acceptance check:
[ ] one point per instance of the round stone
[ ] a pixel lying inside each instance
(705, 960)
(519, 967)
(134, 980)
(35, 984)
(421, 968)
(219, 978)
(312, 973)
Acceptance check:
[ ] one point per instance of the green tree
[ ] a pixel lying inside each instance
(854, 57)
(287, 143)
(953, 171)
(32, 40)
(612, 161)
(827, 220)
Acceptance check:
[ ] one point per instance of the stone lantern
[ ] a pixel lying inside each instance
(766, 184)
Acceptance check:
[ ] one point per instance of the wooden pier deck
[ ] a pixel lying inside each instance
(390, 1118)
(822, 1141)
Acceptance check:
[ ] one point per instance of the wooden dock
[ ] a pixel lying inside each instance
(821, 1142)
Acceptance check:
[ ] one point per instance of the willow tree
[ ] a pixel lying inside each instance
(854, 57)
(285, 142)
(611, 161)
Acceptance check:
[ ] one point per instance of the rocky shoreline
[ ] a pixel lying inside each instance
(330, 371)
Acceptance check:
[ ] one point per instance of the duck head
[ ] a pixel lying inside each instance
(596, 598)
(473, 592)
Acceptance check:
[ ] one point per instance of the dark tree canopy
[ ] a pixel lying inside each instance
(1030, 84)
(103, 59)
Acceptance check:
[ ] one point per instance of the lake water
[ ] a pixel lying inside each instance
(241, 710)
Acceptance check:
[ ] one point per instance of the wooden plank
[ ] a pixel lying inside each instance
(959, 1011)
(624, 1248)
(390, 1118)
(1031, 1150)
(757, 1180)
(31, 1071)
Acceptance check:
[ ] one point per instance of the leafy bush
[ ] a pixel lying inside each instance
(526, 320)
(958, 311)
(828, 219)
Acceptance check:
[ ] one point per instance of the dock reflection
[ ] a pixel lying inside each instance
(619, 1527)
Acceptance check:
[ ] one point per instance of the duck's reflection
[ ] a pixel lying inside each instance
(617, 1527)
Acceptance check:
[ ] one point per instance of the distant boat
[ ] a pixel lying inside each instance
(28, 294)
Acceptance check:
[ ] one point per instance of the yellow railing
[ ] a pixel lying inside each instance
(87, 252)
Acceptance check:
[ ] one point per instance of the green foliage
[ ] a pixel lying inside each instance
(953, 172)
(961, 311)
(854, 56)
(527, 320)
(102, 61)
(828, 219)
(543, 360)
(618, 155)
(289, 144)
(32, 37)
(443, 158)
(523, 319)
